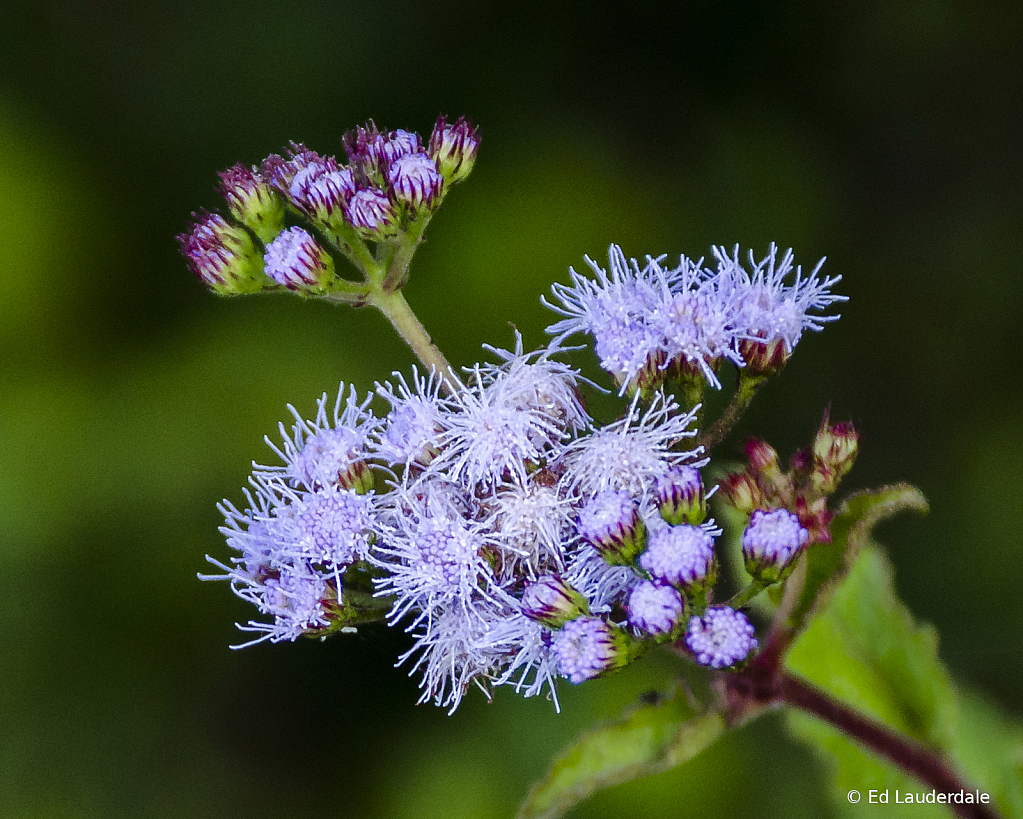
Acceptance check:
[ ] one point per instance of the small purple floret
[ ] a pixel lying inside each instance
(414, 180)
(294, 260)
(773, 537)
(585, 648)
(654, 609)
(679, 555)
(722, 637)
(370, 211)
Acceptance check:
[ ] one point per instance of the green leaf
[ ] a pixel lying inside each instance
(988, 747)
(647, 740)
(826, 564)
(866, 650)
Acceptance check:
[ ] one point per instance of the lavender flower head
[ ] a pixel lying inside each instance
(722, 637)
(654, 609)
(772, 540)
(678, 555)
(295, 261)
(587, 647)
(330, 448)
(770, 309)
(648, 321)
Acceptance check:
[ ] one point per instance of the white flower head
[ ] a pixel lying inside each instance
(535, 381)
(330, 448)
(616, 310)
(489, 438)
(436, 560)
(631, 453)
(332, 526)
(772, 309)
(410, 432)
(533, 523)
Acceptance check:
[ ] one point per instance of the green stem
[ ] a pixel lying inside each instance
(747, 389)
(397, 271)
(740, 599)
(398, 312)
(353, 247)
(356, 298)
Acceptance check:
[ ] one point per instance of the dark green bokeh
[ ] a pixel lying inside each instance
(883, 135)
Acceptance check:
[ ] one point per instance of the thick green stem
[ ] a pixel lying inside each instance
(748, 387)
(398, 312)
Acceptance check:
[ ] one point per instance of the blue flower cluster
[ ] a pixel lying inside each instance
(515, 538)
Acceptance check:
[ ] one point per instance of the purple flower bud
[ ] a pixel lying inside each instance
(294, 260)
(280, 172)
(680, 496)
(552, 601)
(587, 647)
(679, 555)
(252, 201)
(454, 148)
(610, 521)
(400, 143)
(771, 542)
(223, 256)
(365, 149)
(321, 188)
(654, 609)
(722, 637)
(414, 180)
(371, 213)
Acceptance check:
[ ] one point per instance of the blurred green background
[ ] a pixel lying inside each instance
(883, 135)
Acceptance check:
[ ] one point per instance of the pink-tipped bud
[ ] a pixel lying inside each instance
(742, 492)
(252, 201)
(834, 451)
(223, 256)
(454, 148)
(764, 358)
(815, 517)
(764, 465)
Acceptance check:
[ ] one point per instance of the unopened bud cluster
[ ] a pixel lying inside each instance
(788, 509)
(291, 215)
